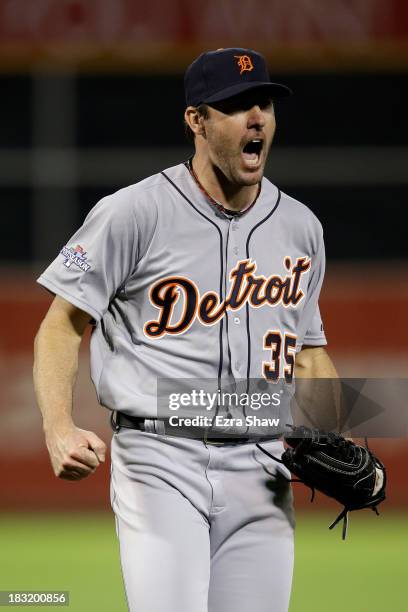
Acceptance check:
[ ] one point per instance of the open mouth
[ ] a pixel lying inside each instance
(252, 151)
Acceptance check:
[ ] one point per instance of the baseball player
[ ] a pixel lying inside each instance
(203, 271)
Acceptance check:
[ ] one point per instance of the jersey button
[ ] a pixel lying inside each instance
(235, 250)
(237, 320)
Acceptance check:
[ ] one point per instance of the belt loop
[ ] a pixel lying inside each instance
(159, 428)
(115, 426)
(149, 426)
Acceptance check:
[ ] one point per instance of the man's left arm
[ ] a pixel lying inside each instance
(318, 390)
(314, 362)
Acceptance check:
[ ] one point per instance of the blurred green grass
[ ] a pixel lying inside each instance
(368, 572)
(79, 553)
(58, 552)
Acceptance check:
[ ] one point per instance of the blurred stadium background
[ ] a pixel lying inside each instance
(92, 100)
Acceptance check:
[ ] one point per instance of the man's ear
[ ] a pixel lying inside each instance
(195, 121)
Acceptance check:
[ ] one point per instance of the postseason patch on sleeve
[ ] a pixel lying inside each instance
(75, 255)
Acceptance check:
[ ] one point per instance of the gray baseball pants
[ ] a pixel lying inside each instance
(201, 527)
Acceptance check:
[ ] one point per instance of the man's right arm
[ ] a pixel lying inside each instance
(75, 453)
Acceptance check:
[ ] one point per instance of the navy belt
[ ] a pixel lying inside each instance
(119, 419)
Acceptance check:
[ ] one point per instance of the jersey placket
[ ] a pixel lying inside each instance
(236, 327)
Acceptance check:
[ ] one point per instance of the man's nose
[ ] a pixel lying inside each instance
(256, 117)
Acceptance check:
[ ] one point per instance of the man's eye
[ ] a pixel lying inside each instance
(232, 106)
(265, 103)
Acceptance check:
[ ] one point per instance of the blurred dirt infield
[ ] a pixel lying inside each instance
(364, 311)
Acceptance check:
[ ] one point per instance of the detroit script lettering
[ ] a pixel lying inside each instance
(246, 286)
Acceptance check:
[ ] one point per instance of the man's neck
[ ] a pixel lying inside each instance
(232, 197)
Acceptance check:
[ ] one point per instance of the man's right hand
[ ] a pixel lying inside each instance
(75, 453)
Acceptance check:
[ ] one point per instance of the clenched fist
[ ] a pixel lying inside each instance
(75, 453)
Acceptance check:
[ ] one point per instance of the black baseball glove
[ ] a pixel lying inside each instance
(341, 469)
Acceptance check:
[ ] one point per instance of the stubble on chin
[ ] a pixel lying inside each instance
(247, 178)
(230, 171)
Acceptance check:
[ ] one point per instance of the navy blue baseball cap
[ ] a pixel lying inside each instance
(225, 73)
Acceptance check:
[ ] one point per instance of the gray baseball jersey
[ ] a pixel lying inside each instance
(180, 290)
